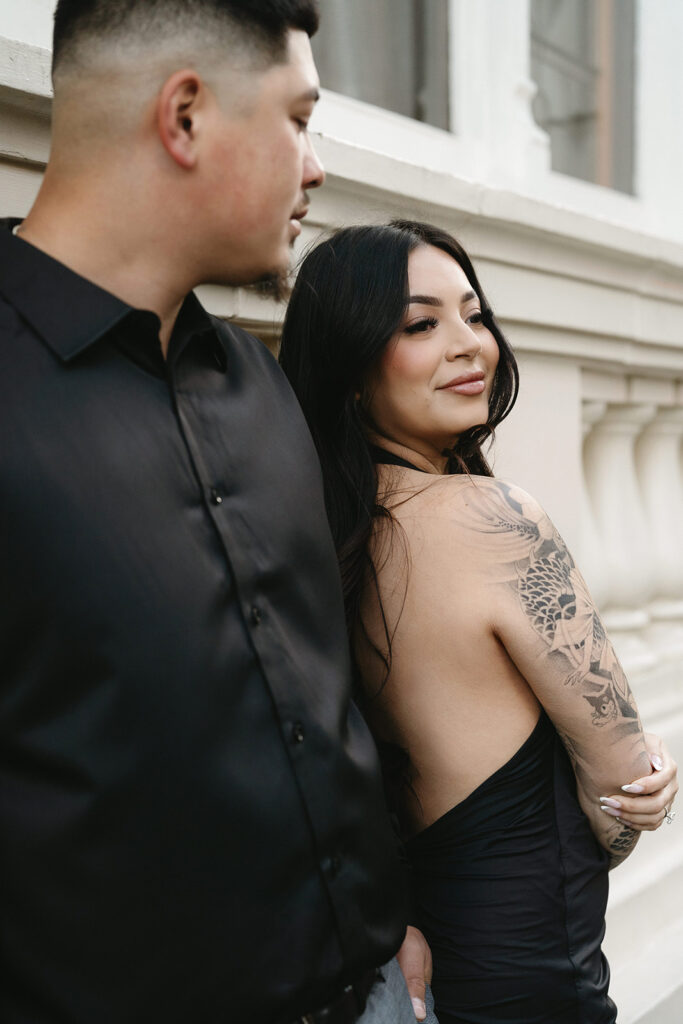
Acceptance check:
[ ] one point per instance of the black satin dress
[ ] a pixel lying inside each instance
(511, 892)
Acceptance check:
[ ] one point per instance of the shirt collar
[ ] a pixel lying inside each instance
(192, 322)
(69, 312)
(66, 310)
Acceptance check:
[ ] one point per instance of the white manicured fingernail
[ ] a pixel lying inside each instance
(657, 762)
(419, 1008)
(609, 810)
(633, 788)
(610, 802)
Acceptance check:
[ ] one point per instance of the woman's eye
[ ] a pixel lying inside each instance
(475, 318)
(420, 326)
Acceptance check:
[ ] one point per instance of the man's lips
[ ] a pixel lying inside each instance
(297, 217)
(467, 384)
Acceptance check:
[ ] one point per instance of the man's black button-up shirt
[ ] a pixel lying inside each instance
(191, 820)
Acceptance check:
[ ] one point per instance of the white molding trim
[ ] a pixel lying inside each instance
(25, 72)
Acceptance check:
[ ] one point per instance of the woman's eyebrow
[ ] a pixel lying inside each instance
(425, 300)
(433, 300)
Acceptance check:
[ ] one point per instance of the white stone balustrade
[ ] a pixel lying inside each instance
(593, 563)
(660, 475)
(610, 468)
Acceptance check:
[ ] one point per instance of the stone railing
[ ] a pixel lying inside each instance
(633, 523)
(632, 545)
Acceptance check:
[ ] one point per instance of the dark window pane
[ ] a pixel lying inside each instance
(582, 60)
(392, 53)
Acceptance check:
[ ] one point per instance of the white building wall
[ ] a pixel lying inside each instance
(588, 284)
(659, 164)
(29, 21)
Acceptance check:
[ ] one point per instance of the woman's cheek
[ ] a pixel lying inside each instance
(406, 363)
(491, 352)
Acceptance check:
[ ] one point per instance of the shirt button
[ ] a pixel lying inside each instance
(298, 732)
(220, 358)
(216, 498)
(256, 615)
(332, 865)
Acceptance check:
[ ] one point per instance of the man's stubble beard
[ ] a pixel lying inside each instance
(271, 284)
(275, 285)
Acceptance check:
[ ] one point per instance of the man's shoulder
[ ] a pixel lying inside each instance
(228, 328)
(255, 371)
(251, 353)
(234, 336)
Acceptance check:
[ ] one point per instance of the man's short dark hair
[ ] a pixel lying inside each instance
(261, 24)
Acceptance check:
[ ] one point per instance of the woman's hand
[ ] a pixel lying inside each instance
(645, 803)
(415, 960)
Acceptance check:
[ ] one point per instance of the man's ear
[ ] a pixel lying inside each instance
(179, 114)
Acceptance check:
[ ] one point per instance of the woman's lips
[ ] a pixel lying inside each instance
(470, 387)
(468, 384)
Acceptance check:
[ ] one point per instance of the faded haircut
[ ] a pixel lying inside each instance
(87, 31)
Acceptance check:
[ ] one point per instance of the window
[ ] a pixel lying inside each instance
(392, 53)
(582, 60)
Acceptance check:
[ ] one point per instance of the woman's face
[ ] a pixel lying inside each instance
(433, 380)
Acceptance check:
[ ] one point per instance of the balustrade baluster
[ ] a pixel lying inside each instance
(609, 463)
(660, 475)
(592, 562)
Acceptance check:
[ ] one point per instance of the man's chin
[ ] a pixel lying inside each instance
(275, 283)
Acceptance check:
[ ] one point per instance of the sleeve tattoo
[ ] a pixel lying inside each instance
(536, 564)
(555, 600)
(621, 844)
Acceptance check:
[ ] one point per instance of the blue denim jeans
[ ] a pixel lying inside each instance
(389, 1002)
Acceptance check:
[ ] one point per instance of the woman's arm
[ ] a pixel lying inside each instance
(542, 613)
(644, 804)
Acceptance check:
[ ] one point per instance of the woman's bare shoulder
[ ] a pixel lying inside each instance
(475, 520)
(482, 503)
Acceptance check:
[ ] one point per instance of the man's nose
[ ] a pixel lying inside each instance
(314, 172)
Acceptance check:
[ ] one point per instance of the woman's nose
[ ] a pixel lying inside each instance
(463, 342)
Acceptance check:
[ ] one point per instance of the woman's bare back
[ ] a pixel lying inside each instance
(454, 700)
(471, 580)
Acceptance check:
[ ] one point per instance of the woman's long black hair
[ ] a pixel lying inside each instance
(349, 299)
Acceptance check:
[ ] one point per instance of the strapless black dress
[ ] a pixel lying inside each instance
(511, 889)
